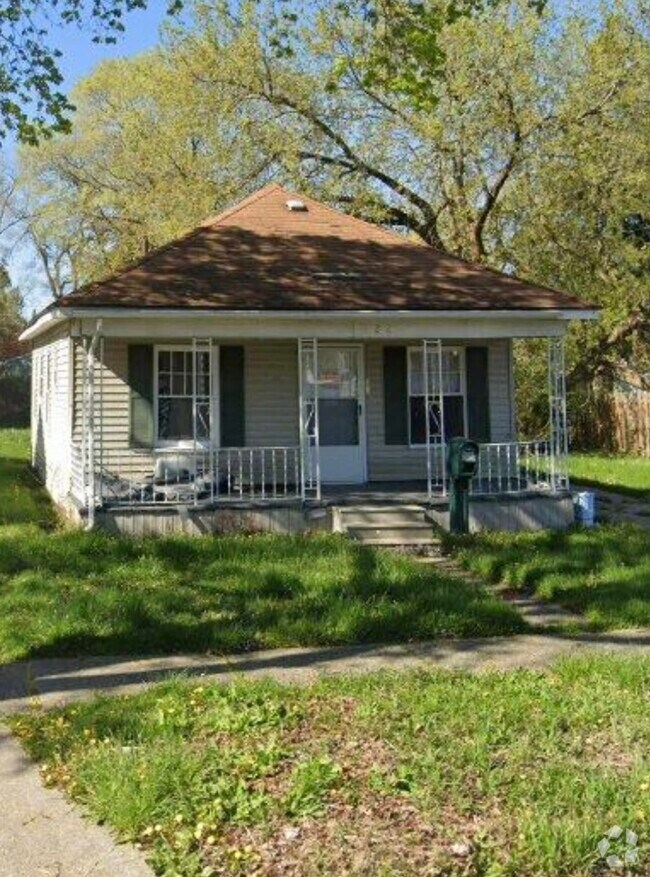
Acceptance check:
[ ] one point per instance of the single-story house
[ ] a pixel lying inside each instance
(284, 360)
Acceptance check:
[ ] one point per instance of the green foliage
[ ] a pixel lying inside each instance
(31, 102)
(14, 374)
(310, 785)
(12, 321)
(149, 158)
(525, 771)
(74, 592)
(602, 573)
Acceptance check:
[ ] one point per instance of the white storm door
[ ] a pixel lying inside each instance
(341, 414)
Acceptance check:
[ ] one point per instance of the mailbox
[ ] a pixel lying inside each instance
(462, 460)
(462, 463)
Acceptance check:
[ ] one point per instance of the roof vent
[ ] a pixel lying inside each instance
(296, 206)
(337, 275)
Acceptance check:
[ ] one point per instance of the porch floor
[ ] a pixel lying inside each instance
(378, 493)
(372, 493)
(383, 493)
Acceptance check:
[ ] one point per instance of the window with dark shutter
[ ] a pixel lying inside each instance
(396, 428)
(453, 392)
(232, 408)
(478, 393)
(183, 387)
(140, 378)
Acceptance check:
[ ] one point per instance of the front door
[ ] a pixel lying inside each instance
(341, 414)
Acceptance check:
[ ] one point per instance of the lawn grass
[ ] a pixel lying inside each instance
(624, 474)
(66, 592)
(22, 499)
(79, 593)
(437, 773)
(603, 573)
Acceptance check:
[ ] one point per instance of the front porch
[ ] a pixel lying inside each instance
(351, 510)
(338, 420)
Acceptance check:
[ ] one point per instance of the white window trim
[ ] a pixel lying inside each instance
(463, 383)
(215, 425)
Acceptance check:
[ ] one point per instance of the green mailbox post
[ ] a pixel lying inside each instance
(462, 462)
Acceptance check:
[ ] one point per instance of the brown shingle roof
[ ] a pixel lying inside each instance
(261, 255)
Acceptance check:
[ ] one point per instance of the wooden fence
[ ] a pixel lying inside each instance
(617, 422)
(631, 416)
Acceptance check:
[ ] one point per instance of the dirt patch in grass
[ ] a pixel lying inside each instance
(361, 824)
(382, 835)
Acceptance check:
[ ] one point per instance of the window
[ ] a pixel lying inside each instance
(338, 396)
(453, 389)
(179, 383)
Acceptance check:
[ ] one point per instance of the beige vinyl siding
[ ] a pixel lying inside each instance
(271, 390)
(51, 421)
(112, 409)
(403, 463)
(502, 420)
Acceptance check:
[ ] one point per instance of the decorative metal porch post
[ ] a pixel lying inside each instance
(195, 417)
(199, 346)
(559, 439)
(434, 414)
(89, 422)
(308, 416)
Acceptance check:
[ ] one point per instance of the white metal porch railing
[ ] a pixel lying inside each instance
(192, 477)
(206, 476)
(505, 468)
(519, 467)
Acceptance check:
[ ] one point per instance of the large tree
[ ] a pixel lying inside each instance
(14, 370)
(144, 163)
(12, 321)
(510, 134)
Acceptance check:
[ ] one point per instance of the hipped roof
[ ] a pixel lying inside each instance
(262, 255)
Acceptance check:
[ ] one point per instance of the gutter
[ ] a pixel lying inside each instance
(44, 321)
(57, 315)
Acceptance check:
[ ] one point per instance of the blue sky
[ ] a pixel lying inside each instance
(80, 54)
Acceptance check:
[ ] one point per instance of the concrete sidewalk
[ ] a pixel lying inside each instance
(43, 835)
(60, 681)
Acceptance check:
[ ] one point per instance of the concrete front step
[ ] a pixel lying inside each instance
(397, 541)
(383, 518)
(387, 525)
(407, 535)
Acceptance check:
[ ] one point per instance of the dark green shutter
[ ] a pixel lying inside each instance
(231, 405)
(454, 417)
(478, 393)
(141, 426)
(396, 429)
